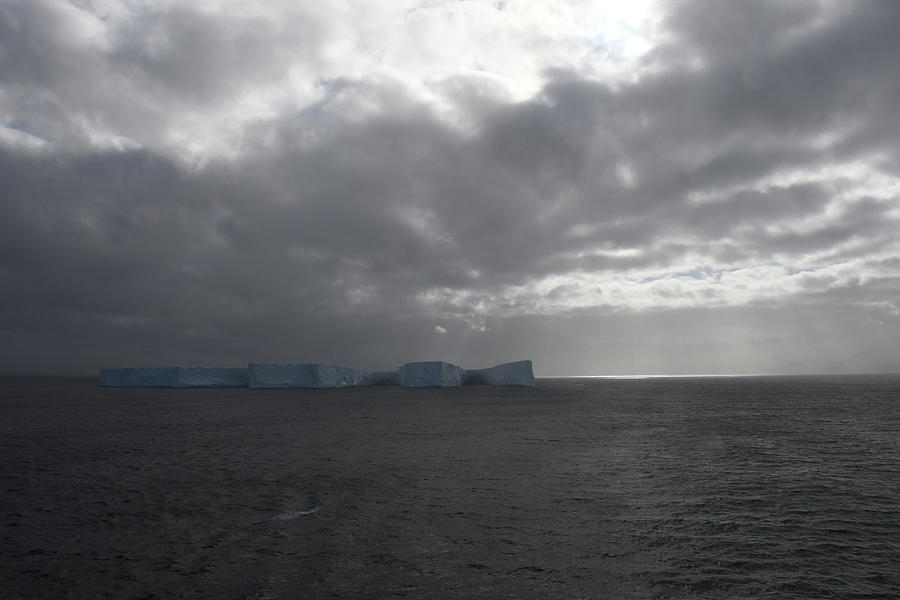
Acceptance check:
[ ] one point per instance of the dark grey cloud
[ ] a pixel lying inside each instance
(733, 209)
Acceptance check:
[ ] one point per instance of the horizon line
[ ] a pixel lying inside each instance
(710, 375)
(614, 376)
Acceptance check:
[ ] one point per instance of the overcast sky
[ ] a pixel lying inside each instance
(668, 188)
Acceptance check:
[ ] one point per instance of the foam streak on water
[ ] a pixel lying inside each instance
(747, 487)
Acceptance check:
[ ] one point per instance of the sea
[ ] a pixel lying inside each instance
(657, 488)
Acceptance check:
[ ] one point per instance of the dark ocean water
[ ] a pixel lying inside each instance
(579, 488)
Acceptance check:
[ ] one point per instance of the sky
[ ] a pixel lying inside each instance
(680, 187)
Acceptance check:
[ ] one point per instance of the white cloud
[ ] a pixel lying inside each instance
(467, 163)
(269, 59)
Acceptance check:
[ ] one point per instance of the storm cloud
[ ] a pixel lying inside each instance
(695, 187)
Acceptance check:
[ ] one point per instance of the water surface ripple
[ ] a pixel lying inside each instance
(781, 487)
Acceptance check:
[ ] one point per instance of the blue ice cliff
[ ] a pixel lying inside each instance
(306, 375)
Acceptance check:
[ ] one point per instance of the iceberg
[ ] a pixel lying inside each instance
(431, 374)
(512, 373)
(316, 375)
(303, 375)
(174, 377)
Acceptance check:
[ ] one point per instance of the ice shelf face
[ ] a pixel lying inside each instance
(175, 377)
(211, 377)
(304, 375)
(431, 374)
(513, 373)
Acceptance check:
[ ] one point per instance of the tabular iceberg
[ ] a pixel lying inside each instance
(304, 375)
(513, 373)
(431, 374)
(174, 377)
(317, 375)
